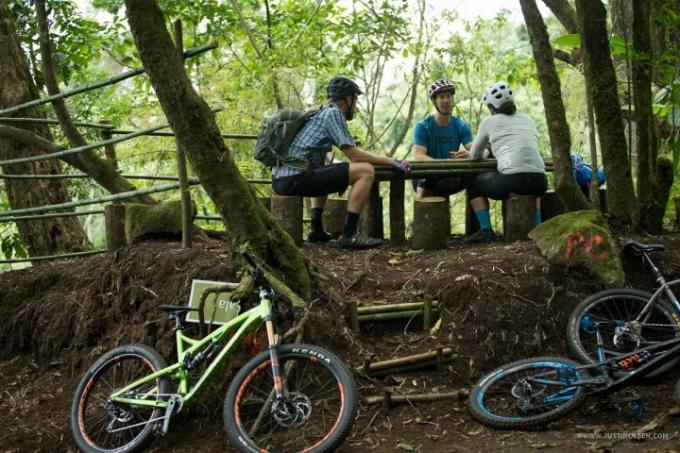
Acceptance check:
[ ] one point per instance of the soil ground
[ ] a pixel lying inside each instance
(498, 303)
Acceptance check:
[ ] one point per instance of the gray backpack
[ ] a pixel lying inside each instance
(276, 134)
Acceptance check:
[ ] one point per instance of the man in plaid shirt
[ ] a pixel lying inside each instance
(325, 129)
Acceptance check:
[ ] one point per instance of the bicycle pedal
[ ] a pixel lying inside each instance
(174, 406)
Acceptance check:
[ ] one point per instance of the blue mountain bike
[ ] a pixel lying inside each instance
(622, 335)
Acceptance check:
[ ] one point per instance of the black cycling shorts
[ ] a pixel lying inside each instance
(441, 187)
(314, 183)
(499, 186)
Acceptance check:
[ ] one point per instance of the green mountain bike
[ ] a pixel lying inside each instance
(292, 397)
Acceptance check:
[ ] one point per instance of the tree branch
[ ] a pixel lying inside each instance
(565, 13)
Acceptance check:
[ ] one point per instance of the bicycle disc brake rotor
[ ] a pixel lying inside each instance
(628, 336)
(293, 412)
(526, 395)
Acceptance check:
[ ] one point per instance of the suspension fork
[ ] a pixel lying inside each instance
(273, 341)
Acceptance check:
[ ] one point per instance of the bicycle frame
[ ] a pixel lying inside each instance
(245, 323)
(603, 383)
(664, 288)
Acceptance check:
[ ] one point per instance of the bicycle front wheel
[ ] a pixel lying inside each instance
(528, 393)
(319, 411)
(100, 425)
(627, 331)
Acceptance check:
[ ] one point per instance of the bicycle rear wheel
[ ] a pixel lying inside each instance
(527, 394)
(100, 425)
(319, 412)
(624, 307)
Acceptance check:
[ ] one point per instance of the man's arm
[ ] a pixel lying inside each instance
(420, 153)
(354, 154)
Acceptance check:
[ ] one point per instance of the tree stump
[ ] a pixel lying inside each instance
(267, 202)
(430, 223)
(371, 220)
(288, 212)
(334, 214)
(551, 206)
(114, 215)
(518, 217)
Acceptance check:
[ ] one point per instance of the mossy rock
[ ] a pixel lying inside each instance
(143, 221)
(581, 239)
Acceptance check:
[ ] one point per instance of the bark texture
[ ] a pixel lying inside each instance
(642, 96)
(601, 80)
(40, 237)
(191, 119)
(558, 128)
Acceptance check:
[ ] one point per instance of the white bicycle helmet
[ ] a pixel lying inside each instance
(497, 94)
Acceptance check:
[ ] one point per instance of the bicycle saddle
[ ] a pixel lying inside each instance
(638, 247)
(176, 310)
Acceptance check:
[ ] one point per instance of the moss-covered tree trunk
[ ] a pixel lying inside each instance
(558, 128)
(601, 80)
(193, 122)
(40, 237)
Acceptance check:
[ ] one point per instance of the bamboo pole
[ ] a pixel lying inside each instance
(110, 81)
(50, 216)
(80, 149)
(406, 360)
(116, 131)
(393, 307)
(74, 204)
(427, 314)
(418, 397)
(389, 316)
(414, 366)
(52, 257)
(353, 316)
(182, 173)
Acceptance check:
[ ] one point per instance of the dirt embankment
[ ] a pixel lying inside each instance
(498, 303)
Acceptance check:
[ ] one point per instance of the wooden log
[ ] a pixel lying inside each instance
(418, 397)
(114, 215)
(397, 224)
(371, 220)
(518, 217)
(471, 222)
(551, 206)
(676, 200)
(334, 214)
(430, 223)
(267, 202)
(406, 360)
(288, 212)
(394, 307)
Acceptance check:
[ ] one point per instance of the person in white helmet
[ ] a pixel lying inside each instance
(437, 137)
(520, 170)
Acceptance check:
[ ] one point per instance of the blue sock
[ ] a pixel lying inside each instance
(537, 217)
(483, 218)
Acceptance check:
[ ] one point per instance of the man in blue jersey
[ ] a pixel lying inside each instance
(315, 179)
(440, 136)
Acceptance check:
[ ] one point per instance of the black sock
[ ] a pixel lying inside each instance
(317, 225)
(350, 227)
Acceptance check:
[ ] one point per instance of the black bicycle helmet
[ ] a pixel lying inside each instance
(341, 87)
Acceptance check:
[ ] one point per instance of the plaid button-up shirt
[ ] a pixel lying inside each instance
(323, 130)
